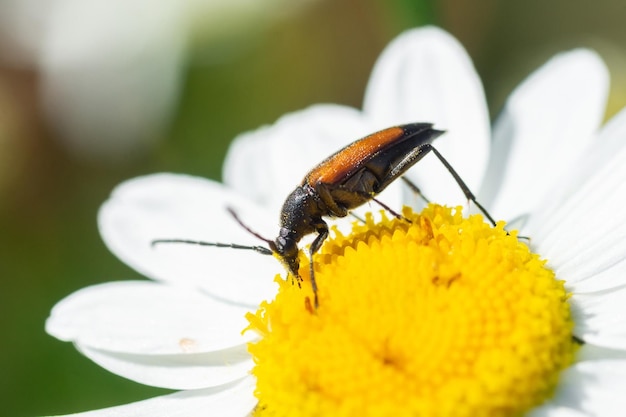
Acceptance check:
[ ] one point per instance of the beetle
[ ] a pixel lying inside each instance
(340, 183)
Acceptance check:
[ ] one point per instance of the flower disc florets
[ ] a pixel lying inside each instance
(430, 315)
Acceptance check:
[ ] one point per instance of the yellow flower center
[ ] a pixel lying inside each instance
(431, 315)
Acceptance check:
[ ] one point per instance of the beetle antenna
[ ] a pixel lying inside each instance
(260, 249)
(232, 212)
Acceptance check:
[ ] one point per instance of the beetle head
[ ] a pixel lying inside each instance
(286, 246)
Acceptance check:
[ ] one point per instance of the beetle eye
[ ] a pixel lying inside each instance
(286, 247)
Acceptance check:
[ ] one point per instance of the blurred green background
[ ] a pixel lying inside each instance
(237, 69)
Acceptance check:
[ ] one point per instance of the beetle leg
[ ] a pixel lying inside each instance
(327, 198)
(393, 212)
(468, 194)
(370, 196)
(356, 216)
(417, 154)
(415, 189)
(322, 233)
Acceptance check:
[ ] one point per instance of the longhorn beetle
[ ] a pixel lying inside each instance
(342, 182)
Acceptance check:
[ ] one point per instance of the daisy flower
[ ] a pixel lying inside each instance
(440, 315)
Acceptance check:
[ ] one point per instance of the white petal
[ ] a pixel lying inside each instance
(600, 318)
(233, 400)
(598, 277)
(147, 318)
(592, 265)
(546, 124)
(551, 410)
(594, 387)
(265, 165)
(425, 75)
(583, 235)
(589, 352)
(182, 371)
(163, 206)
(589, 182)
(608, 146)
